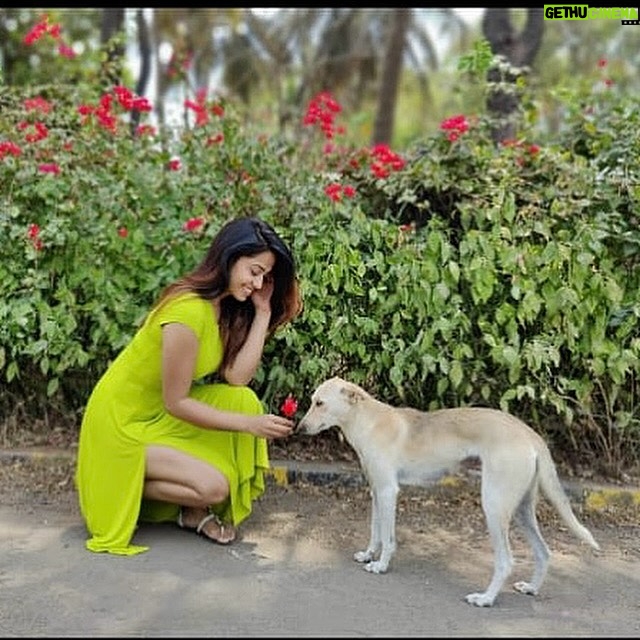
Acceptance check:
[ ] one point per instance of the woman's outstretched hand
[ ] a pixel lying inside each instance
(271, 426)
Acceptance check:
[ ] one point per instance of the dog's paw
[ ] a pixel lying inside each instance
(363, 556)
(480, 599)
(376, 567)
(525, 587)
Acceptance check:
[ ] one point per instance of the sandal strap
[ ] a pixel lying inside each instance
(209, 518)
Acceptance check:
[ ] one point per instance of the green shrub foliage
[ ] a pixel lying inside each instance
(458, 272)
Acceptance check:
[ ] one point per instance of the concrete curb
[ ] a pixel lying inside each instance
(591, 496)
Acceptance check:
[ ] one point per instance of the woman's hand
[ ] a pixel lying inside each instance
(261, 297)
(270, 426)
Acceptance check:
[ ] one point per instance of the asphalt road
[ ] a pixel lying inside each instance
(291, 574)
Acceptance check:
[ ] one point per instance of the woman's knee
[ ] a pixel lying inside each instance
(164, 464)
(213, 488)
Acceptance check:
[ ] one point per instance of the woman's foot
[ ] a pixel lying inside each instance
(207, 525)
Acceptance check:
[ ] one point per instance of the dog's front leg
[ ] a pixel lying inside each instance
(385, 527)
(374, 537)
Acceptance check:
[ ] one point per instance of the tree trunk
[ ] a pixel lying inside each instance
(391, 75)
(519, 49)
(112, 24)
(144, 45)
(8, 55)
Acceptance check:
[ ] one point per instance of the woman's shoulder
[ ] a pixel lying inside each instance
(189, 298)
(184, 307)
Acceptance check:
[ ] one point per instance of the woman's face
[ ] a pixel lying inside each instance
(247, 274)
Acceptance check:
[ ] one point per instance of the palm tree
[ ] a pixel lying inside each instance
(360, 55)
(357, 54)
(390, 79)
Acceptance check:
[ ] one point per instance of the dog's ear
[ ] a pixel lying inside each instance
(353, 394)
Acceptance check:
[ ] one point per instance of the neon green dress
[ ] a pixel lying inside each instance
(125, 412)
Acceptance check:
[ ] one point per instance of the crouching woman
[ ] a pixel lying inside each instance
(156, 444)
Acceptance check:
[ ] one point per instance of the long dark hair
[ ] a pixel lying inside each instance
(246, 236)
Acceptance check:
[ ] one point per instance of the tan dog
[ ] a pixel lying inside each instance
(400, 445)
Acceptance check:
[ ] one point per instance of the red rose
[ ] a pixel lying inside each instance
(289, 406)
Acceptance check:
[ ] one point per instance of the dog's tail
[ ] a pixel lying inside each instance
(555, 493)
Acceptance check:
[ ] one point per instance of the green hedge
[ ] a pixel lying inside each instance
(466, 273)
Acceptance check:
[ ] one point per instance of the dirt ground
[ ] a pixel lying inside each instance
(48, 483)
(341, 513)
(293, 569)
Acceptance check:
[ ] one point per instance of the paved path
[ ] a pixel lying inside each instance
(292, 574)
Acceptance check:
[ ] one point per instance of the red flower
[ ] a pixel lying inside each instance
(40, 133)
(289, 407)
(146, 130)
(33, 233)
(456, 126)
(457, 123)
(379, 171)
(199, 107)
(192, 224)
(54, 30)
(66, 51)
(385, 158)
(37, 31)
(37, 104)
(141, 104)
(321, 112)
(175, 164)
(9, 148)
(50, 167)
(123, 232)
(129, 101)
(334, 191)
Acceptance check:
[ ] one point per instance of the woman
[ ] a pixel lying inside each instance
(156, 445)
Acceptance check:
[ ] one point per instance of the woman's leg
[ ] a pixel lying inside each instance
(176, 477)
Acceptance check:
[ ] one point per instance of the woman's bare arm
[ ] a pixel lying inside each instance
(244, 367)
(179, 354)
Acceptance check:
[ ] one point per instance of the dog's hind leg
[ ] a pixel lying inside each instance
(374, 538)
(385, 501)
(500, 498)
(503, 561)
(526, 517)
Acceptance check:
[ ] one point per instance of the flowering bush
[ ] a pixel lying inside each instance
(97, 218)
(455, 272)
